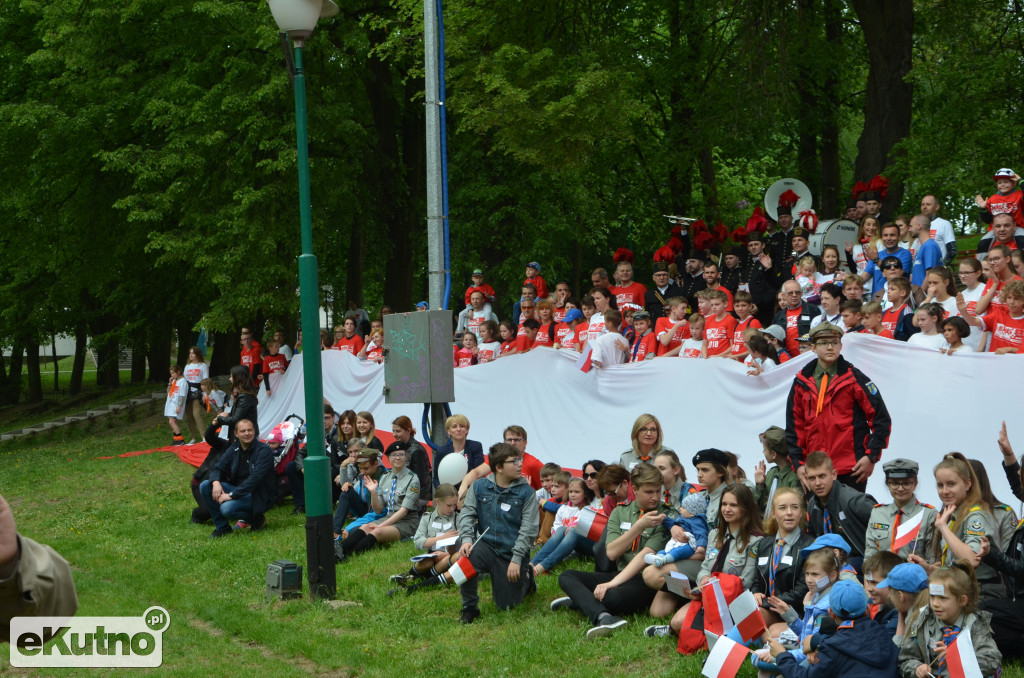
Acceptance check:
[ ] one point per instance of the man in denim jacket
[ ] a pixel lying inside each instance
(505, 506)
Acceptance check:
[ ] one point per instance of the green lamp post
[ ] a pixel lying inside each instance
(298, 18)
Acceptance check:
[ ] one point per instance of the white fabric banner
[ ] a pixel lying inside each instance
(938, 404)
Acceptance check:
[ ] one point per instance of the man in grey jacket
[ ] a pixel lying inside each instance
(503, 508)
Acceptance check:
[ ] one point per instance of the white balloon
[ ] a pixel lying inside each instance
(452, 468)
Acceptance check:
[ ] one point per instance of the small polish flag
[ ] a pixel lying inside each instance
(725, 658)
(586, 359)
(907, 532)
(716, 611)
(961, 661)
(462, 571)
(745, 612)
(591, 524)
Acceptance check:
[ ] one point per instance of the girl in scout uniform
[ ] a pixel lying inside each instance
(886, 519)
(964, 521)
(952, 609)
(729, 545)
(395, 498)
(779, 571)
(434, 526)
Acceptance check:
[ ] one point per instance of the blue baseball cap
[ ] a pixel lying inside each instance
(827, 541)
(909, 577)
(534, 264)
(423, 304)
(573, 314)
(848, 599)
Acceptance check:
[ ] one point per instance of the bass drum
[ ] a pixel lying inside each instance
(836, 232)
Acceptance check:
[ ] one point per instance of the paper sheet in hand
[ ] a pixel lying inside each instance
(677, 583)
(445, 543)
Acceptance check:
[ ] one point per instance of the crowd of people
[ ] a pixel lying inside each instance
(831, 569)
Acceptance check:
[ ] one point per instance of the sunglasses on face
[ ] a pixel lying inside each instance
(889, 267)
(588, 476)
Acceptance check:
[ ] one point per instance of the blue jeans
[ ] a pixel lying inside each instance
(233, 509)
(560, 546)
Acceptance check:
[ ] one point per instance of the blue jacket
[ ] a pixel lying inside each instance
(860, 648)
(251, 471)
(474, 453)
(928, 255)
(510, 515)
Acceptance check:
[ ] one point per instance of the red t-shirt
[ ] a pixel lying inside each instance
(523, 342)
(642, 346)
(582, 331)
(353, 344)
(274, 364)
(375, 353)
(251, 357)
(542, 287)
(996, 303)
(1007, 331)
(559, 314)
(662, 326)
(632, 293)
(792, 330)
(1012, 204)
(463, 357)
(738, 345)
(485, 289)
(891, 317)
(507, 346)
(717, 334)
(531, 470)
(884, 333)
(543, 336)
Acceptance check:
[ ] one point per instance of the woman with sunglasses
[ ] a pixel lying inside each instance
(590, 471)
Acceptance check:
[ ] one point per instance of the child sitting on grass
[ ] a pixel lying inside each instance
(902, 586)
(434, 526)
(564, 540)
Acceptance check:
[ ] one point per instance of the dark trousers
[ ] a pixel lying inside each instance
(847, 479)
(348, 501)
(628, 598)
(506, 594)
(297, 482)
(1007, 625)
(601, 561)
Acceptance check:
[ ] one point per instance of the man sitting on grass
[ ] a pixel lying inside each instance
(241, 485)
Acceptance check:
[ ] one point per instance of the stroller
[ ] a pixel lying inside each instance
(293, 431)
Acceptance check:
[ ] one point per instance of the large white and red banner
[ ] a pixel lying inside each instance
(938, 403)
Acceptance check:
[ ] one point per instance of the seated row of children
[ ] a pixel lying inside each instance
(657, 523)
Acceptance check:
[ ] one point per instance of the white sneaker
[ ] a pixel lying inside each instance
(650, 558)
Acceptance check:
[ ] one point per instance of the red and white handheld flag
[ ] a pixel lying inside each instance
(961, 661)
(586, 359)
(907, 532)
(725, 658)
(462, 571)
(747, 615)
(716, 610)
(591, 524)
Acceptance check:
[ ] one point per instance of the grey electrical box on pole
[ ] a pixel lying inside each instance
(418, 365)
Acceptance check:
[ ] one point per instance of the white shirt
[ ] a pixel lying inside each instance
(933, 341)
(607, 352)
(942, 233)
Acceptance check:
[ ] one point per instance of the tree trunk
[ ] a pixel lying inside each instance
(159, 353)
(184, 330)
(888, 27)
(228, 352)
(707, 176)
(35, 377)
(78, 367)
(139, 357)
(680, 158)
(108, 352)
(356, 258)
(809, 102)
